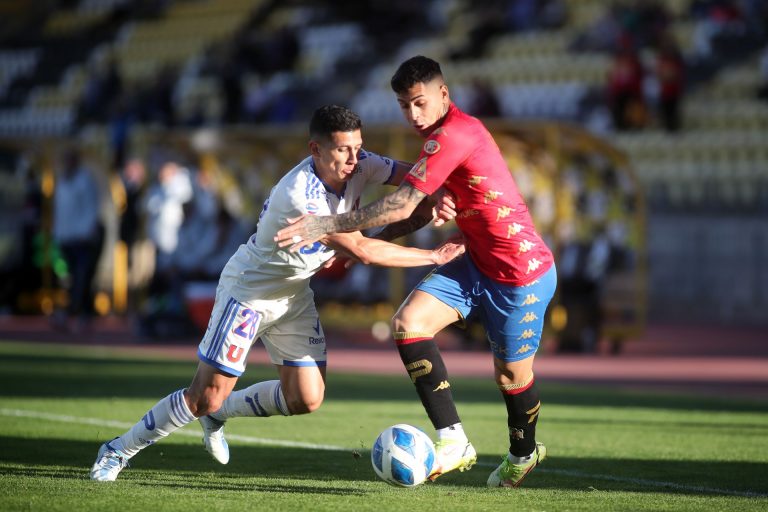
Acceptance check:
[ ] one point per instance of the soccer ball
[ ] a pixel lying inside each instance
(403, 455)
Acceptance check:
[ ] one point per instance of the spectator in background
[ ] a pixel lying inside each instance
(625, 89)
(165, 209)
(165, 212)
(484, 100)
(133, 177)
(670, 73)
(104, 85)
(78, 231)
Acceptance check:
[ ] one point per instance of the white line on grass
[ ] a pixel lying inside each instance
(22, 413)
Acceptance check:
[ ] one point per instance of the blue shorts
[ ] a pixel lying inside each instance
(513, 316)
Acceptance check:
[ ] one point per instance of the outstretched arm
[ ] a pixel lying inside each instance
(378, 252)
(307, 229)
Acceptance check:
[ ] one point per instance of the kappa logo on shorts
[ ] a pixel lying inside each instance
(431, 147)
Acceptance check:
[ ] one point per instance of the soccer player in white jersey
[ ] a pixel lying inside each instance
(264, 293)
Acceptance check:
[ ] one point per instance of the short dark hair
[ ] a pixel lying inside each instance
(418, 69)
(333, 118)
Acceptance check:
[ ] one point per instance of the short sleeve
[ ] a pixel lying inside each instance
(442, 153)
(376, 168)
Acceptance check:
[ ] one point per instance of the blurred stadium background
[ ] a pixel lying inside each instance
(638, 131)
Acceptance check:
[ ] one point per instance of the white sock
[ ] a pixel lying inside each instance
(167, 416)
(261, 399)
(454, 432)
(520, 460)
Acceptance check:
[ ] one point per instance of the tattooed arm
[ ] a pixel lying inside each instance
(391, 208)
(421, 216)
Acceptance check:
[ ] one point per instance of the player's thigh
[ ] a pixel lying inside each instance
(232, 329)
(513, 316)
(297, 338)
(303, 387)
(440, 299)
(424, 313)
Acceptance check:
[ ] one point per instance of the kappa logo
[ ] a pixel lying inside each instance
(443, 385)
(514, 229)
(431, 147)
(533, 264)
(525, 246)
(419, 170)
(476, 180)
(525, 348)
(491, 196)
(530, 299)
(503, 211)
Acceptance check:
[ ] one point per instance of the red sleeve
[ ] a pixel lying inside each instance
(440, 156)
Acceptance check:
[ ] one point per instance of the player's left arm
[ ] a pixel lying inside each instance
(370, 251)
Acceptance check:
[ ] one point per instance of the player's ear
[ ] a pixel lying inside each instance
(314, 148)
(444, 91)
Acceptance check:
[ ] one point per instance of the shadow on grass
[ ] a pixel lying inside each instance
(75, 376)
(290, 470)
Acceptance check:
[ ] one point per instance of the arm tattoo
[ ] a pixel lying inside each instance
(390, 208)
(420, 217)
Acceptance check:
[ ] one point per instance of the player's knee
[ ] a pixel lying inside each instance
(208, 401)
(304, 404)
(406, 321)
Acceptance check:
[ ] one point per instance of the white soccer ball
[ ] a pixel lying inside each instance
(403, 455)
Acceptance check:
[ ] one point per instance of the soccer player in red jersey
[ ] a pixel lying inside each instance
(506, 278)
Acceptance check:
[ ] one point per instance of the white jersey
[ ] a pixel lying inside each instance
(260, 269)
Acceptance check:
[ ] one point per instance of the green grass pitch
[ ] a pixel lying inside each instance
(608, 449)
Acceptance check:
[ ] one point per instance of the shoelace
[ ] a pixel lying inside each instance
(121, 461)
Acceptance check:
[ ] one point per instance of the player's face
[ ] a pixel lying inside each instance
(424, 105)
(336, 159)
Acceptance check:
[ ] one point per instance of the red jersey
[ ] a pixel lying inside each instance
(462, 156)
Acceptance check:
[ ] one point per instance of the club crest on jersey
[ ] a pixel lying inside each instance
(312, 208)
(419, 170)
(431, 147)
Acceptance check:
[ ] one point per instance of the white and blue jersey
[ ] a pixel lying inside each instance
(264, 289)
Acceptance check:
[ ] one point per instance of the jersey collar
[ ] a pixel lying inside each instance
(327, 187)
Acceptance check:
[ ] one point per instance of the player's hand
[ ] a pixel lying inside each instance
(445, 209)
(330, 262)
(449, 250)
(301, 231)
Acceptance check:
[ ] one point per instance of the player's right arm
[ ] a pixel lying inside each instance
(371, 251)
(391, 208)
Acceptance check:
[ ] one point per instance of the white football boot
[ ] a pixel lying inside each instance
(109, 463)
(213, 438)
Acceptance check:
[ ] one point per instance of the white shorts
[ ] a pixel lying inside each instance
(289, 329)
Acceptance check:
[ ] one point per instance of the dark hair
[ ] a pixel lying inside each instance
(415, 70)
(333, 118)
